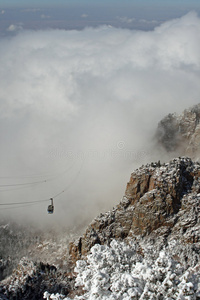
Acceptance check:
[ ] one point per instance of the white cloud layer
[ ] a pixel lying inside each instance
(84, 16)
(95, 94)
(14, 27)
(126, 20)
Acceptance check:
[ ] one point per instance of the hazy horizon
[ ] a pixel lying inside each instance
(68, 15)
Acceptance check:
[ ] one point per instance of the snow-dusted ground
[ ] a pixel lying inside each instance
(119, 272)
(21, 240)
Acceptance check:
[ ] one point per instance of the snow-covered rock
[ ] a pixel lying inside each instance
(29, 281)
(161, 203)
(181, 133)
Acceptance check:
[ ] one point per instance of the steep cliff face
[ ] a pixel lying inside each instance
(161, 202)
(181, 132)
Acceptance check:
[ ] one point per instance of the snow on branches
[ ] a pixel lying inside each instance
(119, 272)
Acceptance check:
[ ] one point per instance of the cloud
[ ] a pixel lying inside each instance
(12, 27)
(79, 109)
(126, 20)
(15, 27)
(43, 16)
(84, 16)
(3, 12)
(31, 10)
(154, 22)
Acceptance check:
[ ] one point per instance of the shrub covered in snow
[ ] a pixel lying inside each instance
(119, 272)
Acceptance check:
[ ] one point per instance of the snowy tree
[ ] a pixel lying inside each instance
(118, 272)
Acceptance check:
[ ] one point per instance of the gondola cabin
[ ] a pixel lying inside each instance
(50, 208)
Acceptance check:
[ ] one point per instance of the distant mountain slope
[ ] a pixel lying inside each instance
(181, 133)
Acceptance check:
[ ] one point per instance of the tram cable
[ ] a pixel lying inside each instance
(22, 184)
(20, 206)
(28, 184)
(50, 210)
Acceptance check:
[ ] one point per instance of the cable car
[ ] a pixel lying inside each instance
(50, 208)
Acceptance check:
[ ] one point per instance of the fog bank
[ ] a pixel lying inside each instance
(78, 110)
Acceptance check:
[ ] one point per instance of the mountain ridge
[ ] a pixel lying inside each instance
(180, 133)
(157, 197)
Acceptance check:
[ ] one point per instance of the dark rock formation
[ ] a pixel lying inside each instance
(160, 200)
(181, 133)
(29, 281)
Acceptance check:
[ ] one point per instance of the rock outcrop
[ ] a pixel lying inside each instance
(181, 133)
(29, 281)
(160, 202)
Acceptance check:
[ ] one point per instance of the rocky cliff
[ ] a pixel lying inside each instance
(160, 210)
(161, 203)
(181, 133)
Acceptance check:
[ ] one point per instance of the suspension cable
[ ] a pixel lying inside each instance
(27, 184)
(27, 203)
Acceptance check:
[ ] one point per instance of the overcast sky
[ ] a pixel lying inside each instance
(48, 3)
(79, 108)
